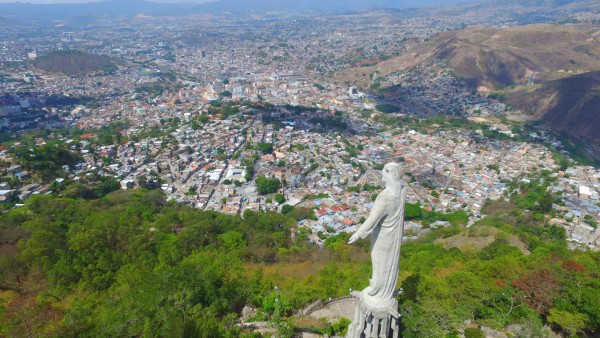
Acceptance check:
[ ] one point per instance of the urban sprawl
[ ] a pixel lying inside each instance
(211, 111)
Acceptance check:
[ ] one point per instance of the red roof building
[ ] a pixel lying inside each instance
(322, 212)
(348, 221)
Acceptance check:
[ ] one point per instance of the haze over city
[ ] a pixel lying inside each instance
(197, 168)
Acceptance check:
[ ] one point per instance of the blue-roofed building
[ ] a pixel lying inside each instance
(351, 229)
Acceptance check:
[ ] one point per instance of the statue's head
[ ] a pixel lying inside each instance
(392, 176)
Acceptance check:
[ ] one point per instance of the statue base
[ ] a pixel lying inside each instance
(374, 319)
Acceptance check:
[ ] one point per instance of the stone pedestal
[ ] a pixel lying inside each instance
(374, 319)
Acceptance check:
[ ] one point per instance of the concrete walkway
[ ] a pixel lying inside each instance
(337, 309)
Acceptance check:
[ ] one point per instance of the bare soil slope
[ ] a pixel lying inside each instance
(497, 57)
(415, 54)
(547, 71)
(570, 105)
(503, 57)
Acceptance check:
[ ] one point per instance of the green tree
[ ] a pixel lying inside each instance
(287, 209)
(46, 160)
(265, 148)
(106, 185)
(79, 190)
(279, 198)
(571, 323)
(473, 332)
(412, 211)
(266, 185)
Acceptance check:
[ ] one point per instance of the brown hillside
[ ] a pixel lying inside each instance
(414, 54)
(570, 105)
(497, 57)
(551, 55)
(74, 62)
(504, 57)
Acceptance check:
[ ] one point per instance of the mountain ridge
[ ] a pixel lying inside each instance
(74, 62)
(570, 105)
(547, 71)
(130, 8)
(505, 57)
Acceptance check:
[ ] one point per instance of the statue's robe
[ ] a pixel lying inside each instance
(386, 239)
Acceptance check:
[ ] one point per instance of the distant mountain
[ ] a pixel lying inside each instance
(329, 6)
(549, 3)
(129, 8)
(498, 58)
(111, 8)
(533, 67)
(74, 62)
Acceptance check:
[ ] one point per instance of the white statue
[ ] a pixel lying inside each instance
(385, 225)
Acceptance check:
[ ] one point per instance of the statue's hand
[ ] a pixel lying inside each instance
(354, 238)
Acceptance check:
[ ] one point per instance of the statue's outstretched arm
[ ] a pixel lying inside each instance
(365, 229)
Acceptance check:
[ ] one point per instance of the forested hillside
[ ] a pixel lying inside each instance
(74, 62)
(132, 264)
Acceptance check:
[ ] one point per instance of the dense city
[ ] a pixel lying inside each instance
(240, 169)
(203, 109)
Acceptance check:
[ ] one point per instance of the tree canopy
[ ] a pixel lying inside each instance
(132, 264)
(266, 185)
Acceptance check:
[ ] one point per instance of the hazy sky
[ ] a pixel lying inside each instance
(81, 1)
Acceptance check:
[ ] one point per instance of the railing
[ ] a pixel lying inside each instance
(315, 307)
